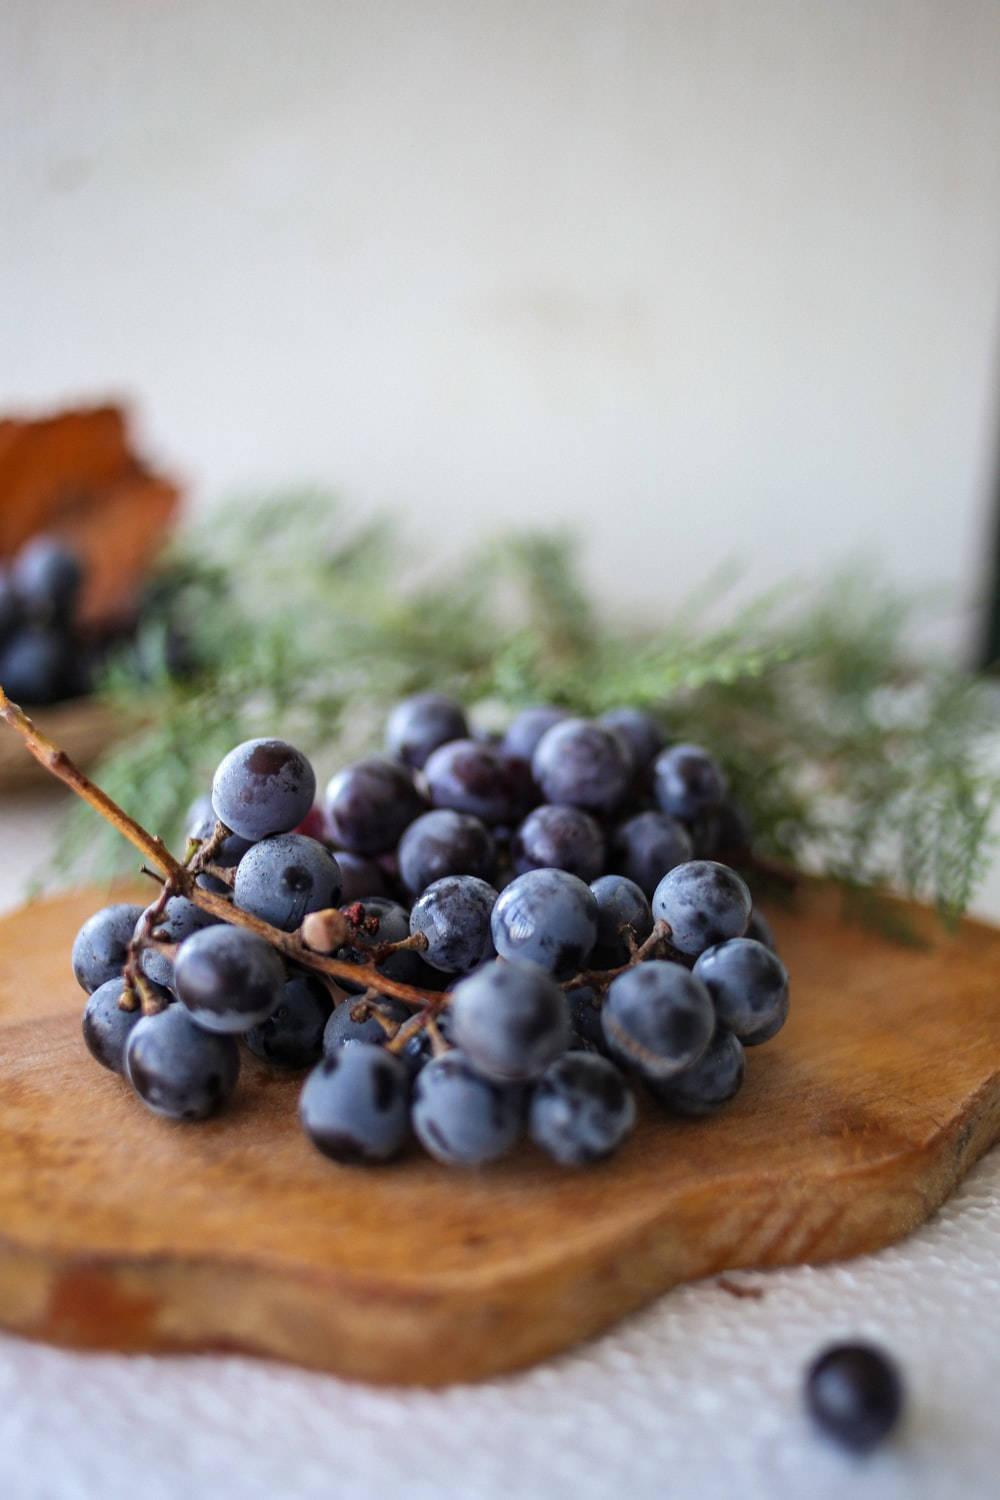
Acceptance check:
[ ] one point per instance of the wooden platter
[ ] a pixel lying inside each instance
(121, 1231)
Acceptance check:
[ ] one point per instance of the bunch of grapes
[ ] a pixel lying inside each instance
(467, 937)
(41, 654)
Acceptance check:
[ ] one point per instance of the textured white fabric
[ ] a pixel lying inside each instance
(698, 1395)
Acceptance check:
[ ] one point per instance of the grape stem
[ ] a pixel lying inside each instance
(656, 945)
(411, 1028)
(203, 856)
(181, 879)
(58, 764)
(138, 990)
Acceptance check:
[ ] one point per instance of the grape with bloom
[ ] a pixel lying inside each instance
(472, 987)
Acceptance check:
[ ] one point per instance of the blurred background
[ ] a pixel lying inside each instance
(704, 281)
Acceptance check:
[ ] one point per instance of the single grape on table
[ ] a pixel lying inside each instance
(854, 1393)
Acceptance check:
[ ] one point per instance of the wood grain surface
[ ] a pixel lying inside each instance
(119, 1230)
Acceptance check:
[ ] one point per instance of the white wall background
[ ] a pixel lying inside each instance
(706, 279)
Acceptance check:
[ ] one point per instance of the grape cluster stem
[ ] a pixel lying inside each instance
(180, 878)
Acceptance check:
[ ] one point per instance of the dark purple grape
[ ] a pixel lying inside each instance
(584, 763)
(47, 575)
(354, 1105)
(377, 921)
(511, 1020)
(723, 833)
(704, 903)
(584, 1004)
(11, 611)
(100, 948)
(640, 731)
(687, 781)
(35, 664)
(445, 842)
(710, 1083)
(341, 1027)
(106, 1027)
(546, 917)
(474, 778)
(178, 1069)
(283, 878)
(646, 846)
(855, 1393)
(453, 915)
(771, 1028)
(361, 877)
(228, 978)
(622, 911)
(748, 984)
(462, 1118)
(581, 1109)
(418, 725)
(525, 794)
(557, 836)
(527, 728)
(180, 918)
(418, 1051)
(84, 660)
(263, 787)
(369, 803)
(658, 1018)
(292, 1037)
(760, 929)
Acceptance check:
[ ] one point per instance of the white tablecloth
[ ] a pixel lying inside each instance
(698, 1395)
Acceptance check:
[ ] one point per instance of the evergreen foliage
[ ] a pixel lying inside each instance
(851, 760)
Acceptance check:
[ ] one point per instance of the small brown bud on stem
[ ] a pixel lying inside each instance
(326, 931)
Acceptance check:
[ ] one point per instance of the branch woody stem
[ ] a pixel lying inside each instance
(657, 945)
(137, 986)
(181, 880)
(58, 764)
(422, 1020)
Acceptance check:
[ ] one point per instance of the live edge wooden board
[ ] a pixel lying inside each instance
(121, 1231)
